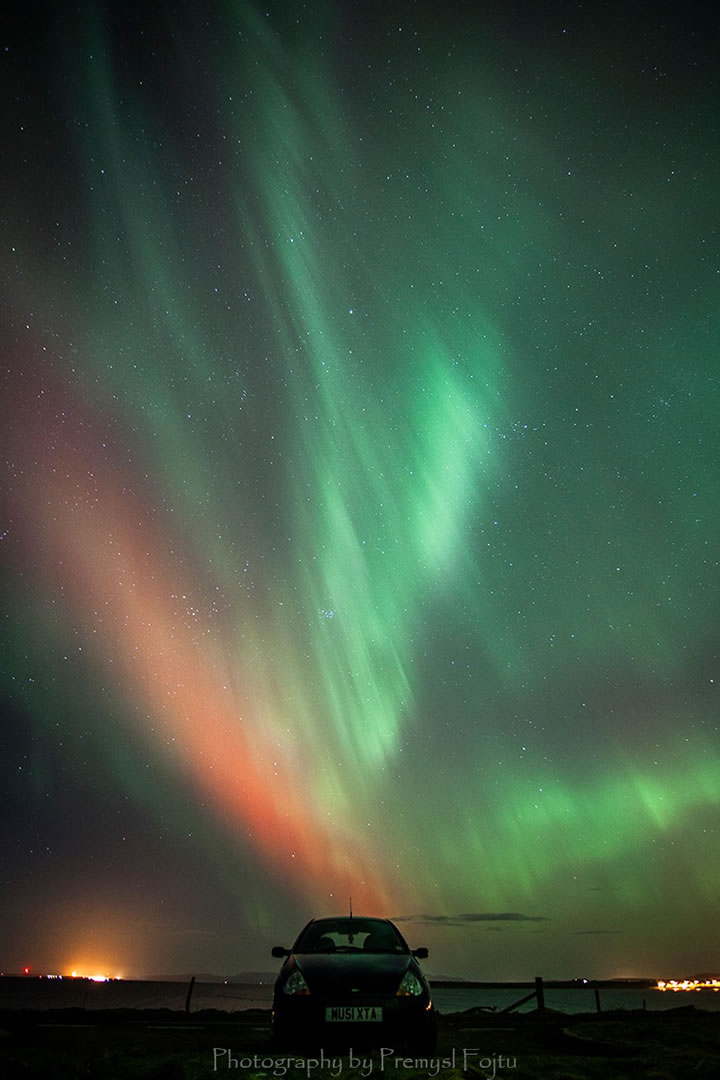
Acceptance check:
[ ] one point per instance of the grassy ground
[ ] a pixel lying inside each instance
(164, 1045)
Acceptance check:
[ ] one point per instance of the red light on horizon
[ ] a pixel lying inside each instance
(26, 971)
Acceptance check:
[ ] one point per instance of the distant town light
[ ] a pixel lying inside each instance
(688, 984)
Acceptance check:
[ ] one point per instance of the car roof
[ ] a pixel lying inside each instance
(360, 921)
(349, 918)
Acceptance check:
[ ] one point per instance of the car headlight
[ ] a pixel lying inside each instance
(410, 986)
(296, 984)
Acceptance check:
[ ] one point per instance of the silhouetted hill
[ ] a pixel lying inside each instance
(445, 978)
(253, 977)
(250, 978)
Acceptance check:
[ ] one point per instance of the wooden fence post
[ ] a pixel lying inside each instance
(189, 994)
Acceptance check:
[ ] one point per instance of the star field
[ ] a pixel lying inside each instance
(360, 518)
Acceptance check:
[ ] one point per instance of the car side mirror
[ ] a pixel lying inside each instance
(422, 954)
(280, 951)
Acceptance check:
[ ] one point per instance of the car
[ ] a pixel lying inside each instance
(353, 980)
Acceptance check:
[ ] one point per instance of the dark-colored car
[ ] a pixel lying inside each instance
(353, 981)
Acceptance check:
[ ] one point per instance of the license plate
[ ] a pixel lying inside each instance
(353, 1013)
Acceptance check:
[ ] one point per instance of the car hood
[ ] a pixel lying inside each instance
(375, 973)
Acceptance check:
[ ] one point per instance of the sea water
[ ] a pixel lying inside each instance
(575, 1000)
(42, 993)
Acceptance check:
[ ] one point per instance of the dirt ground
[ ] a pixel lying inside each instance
(75, 1044)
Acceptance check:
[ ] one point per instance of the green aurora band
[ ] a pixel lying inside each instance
(421, 391)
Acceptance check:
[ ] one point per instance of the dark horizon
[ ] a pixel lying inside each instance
(245, 979)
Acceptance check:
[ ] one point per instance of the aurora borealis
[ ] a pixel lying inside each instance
(360, 520)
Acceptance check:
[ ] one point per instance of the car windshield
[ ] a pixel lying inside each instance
(350, 935)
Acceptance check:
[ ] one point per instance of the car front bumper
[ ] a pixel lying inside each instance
(405, 1021)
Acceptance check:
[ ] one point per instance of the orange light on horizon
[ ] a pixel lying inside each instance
(688, 984)
(97, 977)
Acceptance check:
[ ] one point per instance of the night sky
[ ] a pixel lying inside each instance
(361, 519)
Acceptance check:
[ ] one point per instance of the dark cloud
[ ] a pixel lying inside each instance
(597, 931)
(472, 917)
